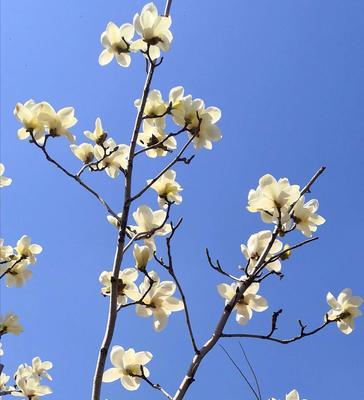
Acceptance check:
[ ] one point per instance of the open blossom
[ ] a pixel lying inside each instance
(193, 114)
(126, 286)
(151, 135)
(159, 301)
(5, 251)
(16, 273)
(57, 122)
(10, 324)
(28, 115)
(98, 135)
(245, 306)
(27, 250)
(84, 152)
(305, 218)
(154, 107)
(150, 222)
(3, 381)
(167, 188)
(273, 198)
(28, 383)
(344, 309)
(142, 255)
(127, 364)
(117, 41)
(255, 247)
(154, 31)
(4, 181)
(41, 367)
(118, 158)
(292, 395)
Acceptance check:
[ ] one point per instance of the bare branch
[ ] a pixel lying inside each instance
(252, 371)
(156, 386)
(218, 267)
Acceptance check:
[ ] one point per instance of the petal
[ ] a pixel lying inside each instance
(111, 375)
(106, 57)
(116, 356)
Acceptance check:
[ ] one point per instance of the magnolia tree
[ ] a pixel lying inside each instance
(145, 230)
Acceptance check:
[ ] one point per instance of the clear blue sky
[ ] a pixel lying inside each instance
(289, 78)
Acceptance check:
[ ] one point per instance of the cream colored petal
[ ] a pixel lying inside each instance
(106, 57)
(111, 375)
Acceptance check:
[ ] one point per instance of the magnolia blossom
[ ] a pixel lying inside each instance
(57, 122)
(5, 251)
(292, 395)
(154, 30)
(245, 306)
(126, 286)
(153, 134)
(98, 135)
(41, 367)
(344, 309)
(200, 121)
(142, 255)
(154, 107)
(113, 221)
(151, 223)
(117, 41)
(255, 247)
(158, 301)
(3, 381)
(4, 181)
(10, 324)
(28, 115)
(273, 199)
(17, 273)
(28, 383)
(118, 158)
(305, 218)
(167, 188)
(84, 152)
(26, 250)
(127, 364)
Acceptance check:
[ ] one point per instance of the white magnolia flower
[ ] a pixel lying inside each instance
(153, 134)
(41, 367)
(98, 135)
(126, 286)
(154, 30)
(344, 309)
(57, 122)
(29, 385)
(5, 251)
(117, 41)
(127, 364)
(84, 152)
(3, 381)
(255, 248)
(25, 249)
(245, 306)
(273, 198)
(159, 301)
(167, 188)
(152, 223)
(9, 323)
(154, 107)
(193, 114)
(118, 158)
(113, 221)
(28, 115)
(142, 254)
(4, 181)
(305, 218)
(293, 395)
(16, 275)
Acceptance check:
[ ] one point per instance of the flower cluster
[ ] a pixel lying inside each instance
(15, 261)
(191, 115)
(153, 30)
(39, 119)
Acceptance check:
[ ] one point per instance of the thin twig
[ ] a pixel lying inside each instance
(8, 270)
(252, 371)
(241, 372)
(219, 268)
(156, 386)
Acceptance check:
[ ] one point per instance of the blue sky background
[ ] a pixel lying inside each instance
(289, 77)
